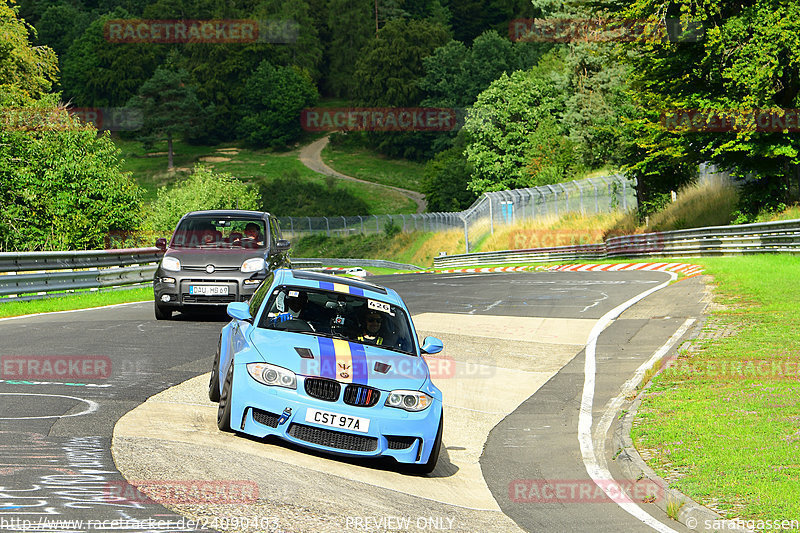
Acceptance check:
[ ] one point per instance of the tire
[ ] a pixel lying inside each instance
(427, 467)
(213, 383)
(162, 313)
(224, 410)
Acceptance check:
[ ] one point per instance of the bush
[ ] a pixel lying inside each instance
(61, 186)
(292, 196)
(204, 189)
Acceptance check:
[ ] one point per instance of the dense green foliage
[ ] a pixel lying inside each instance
(292, 195)
(275, 96)
(61, 186)
(204, 189)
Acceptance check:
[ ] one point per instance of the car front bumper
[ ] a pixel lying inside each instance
(176, 289)
(256, 410)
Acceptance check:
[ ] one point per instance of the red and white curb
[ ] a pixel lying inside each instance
(680, 268)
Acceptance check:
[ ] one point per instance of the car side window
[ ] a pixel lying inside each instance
(258, 297)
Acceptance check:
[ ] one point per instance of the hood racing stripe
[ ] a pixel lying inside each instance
(360, 368)
(327, 356)
(344, 361)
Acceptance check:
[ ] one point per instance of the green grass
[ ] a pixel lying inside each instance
(726, 438)
(367, 165)
(261, 167)
(81, 300)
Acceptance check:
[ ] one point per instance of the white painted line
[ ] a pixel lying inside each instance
(600, 475)
(92, 406)
(630, 386)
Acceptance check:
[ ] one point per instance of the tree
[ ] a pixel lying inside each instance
(169, 106)
(446, 178)
(747, 58)
(351, 27)
(26, 72)
(204, 189)
(275, 98)
(391, 64)
(97, 73)
(502, 124)
(60, 25)
(61, 186)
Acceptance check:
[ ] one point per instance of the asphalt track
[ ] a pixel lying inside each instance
(513, 394)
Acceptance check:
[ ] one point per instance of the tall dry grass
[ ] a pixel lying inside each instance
(709, 204)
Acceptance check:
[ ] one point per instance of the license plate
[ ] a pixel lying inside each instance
(334, 420)
(209, 290)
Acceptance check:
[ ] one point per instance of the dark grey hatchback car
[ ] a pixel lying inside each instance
(217, 257)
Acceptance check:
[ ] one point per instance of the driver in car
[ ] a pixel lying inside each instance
(372, 323)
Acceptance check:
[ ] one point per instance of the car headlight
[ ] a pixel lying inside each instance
(409, 400)
(255, 264)
(272, 375)
(171, 263)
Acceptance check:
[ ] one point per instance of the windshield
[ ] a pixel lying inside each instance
(210, 232)
(336, 315)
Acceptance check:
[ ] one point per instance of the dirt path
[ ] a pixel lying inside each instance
(311, 156)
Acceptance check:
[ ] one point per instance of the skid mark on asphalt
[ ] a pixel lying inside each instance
(479, 390)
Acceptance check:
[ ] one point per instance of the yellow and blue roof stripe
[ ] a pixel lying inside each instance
(341, 287)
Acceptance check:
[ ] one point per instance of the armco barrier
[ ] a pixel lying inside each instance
(767, 237)
(31, 273)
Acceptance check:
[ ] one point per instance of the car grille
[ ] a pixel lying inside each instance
(263, 417)
(333, 439)
(400, 443)
(322, 389)
(361, 396)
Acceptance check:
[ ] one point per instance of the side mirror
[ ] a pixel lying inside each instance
(432, 345)
(161, 244)
(239, 311)
(282, 245)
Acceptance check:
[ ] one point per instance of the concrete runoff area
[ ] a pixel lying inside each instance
(495, 364)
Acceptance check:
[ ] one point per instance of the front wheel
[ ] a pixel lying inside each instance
(224, 410)
(428, 466)
(213, 384)
(162, 313)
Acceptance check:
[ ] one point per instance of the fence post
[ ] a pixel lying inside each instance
(624, 195)
(361, 220)
(328, 226)
(377, 224)
(491, 215)
(344, 221)
(310, 229)
(466, 236)
(404, 223)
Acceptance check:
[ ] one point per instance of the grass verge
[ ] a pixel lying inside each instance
(260, 167)
(723, 424)
(367, 165)
(81, 300)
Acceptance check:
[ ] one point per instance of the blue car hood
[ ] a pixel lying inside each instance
(312, 356)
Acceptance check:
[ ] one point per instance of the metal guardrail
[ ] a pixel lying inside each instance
(766, 237)
(379, 263)
(38, 273)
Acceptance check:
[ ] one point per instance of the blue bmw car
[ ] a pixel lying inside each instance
(329, 363)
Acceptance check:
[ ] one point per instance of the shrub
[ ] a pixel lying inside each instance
(204, 189)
